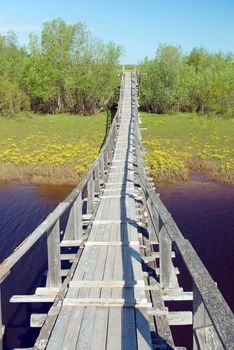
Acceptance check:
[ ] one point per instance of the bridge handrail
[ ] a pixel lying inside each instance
(205, 290)
(103, 158)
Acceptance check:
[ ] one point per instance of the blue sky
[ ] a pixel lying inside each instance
(138, 26)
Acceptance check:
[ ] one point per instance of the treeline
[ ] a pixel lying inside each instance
(66, 69)
(201, 82)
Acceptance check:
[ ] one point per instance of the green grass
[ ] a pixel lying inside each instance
(177, 144)
(46, 148)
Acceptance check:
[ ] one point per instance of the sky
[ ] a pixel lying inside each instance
(138, 26)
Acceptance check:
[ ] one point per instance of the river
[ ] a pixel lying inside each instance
(202, 209)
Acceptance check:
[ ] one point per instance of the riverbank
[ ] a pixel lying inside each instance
(176, 145)
(49, 149)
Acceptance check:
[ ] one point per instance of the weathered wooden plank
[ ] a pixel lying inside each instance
(113, 243)
(37, 320)
(31, 299)
(107, 284)
(108, 302)
(101, 317)
(46, 291)
(70, 243)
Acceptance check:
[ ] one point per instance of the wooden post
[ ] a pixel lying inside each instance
(78, 232)
(1, 328)
(74, 228)
(90, 204)
(165, 259)
(203, 332)
(97, 179)
(54, 264)
(106, 158)
(101, 167)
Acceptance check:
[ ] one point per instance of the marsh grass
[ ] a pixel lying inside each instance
(177, 144)
(49, 149)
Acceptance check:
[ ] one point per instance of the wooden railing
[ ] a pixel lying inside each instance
(213, 321)
(73, 205)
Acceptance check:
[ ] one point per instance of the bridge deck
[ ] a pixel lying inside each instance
(105, 306)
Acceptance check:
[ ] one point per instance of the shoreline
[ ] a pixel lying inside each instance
(65, 175)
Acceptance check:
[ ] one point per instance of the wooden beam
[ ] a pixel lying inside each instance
(37, 320)
(107, 302)
(180, 318)
(31, 299)
(46, 291)
(70, 243)
(102, 222)
(176, 296)
(112, 243)
(69, 257)
(155, 255)
(107, 284)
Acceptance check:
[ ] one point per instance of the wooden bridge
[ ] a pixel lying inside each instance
(123, 273)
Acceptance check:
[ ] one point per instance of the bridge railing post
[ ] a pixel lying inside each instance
(165, 252)
(90, 197)
(97, 179)
(106, 159)
(74, 229)
(204, 333)
(54, 263)
(101, 167)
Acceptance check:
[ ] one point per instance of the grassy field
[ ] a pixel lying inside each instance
(49, 149)
(177, 144)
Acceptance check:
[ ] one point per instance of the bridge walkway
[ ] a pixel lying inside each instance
(105, 306)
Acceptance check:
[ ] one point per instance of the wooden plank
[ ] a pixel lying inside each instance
(31, 299)
(37, 320)
(101, 317)
(173, 296)
(78, 317)
(88, 321)
(53, 251)
(155, 255)
(101, 222)
(180, 318)
(69, 257)
(113, 243)
(46, 291)
(107, 284)
(108, 302)
(70, 243)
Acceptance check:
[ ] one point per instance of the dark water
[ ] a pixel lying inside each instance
(204, 212)
(22, 208)
(202, 209)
